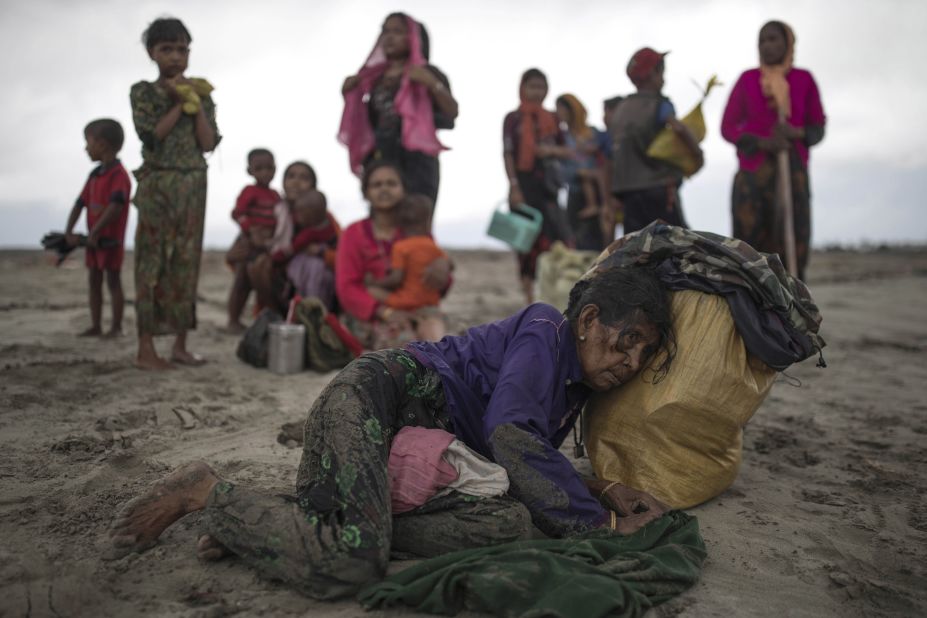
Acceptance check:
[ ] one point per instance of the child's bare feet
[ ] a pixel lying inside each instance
(183, 357)
(208, 548)
(93, 331)
(142, 520)
(113, 333)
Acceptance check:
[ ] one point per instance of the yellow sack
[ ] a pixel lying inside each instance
(192, 94)
(667, 146)
(558, 270)
(680, 439)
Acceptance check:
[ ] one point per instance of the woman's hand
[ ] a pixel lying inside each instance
(421, 75)
(632, 523)
(629, 502)
(350, 83)
(437, 275)
(516, 197)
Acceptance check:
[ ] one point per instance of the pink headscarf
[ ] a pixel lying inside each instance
(413, 104)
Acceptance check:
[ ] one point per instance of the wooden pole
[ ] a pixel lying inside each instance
(784, 207)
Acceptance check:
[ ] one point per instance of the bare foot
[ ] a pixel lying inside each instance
(113, 333)
(208, 548)
(152, 363)
(182, 357)
(93, 331)
(142, 520)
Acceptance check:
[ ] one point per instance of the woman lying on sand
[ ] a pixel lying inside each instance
(511, 390)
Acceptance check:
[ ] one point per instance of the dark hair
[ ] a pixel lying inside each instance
(415, 209)
(424, 41)
(629, 295)
(532, 74)
(259, 152)
(315, 201)
(783, 29)
(163, 30)
(315, 179)
(379, 164)
(107, 130)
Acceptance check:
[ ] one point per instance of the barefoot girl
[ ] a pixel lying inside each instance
(171, 195)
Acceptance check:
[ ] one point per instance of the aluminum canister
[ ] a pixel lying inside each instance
(287, 348)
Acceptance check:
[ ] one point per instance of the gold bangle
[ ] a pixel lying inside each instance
(609, 486)
(614, 524)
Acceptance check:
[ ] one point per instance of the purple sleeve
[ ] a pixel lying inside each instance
(517, 427)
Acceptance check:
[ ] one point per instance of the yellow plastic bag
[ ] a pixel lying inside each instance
(667, 146)
(680, 439)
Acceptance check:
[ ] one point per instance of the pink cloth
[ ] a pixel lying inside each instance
(748, 111)
(417, 468)
(413, 104)
(359, 253)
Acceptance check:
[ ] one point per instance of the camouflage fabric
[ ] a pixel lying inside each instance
(168, 245)
(724, 263)
(336, 534)
(171, 202)
(179, 149)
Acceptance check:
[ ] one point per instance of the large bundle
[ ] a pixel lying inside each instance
(680, 439)
(558, 270)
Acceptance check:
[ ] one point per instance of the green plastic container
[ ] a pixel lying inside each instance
(518, 230)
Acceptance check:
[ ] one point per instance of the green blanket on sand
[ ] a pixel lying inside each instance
(599, 573)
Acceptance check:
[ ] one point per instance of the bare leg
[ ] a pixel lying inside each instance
(180, 354)
(147, 357)
(260, 273)
(238, 298)
(95, 282)
(142, 520)
(527, 284)
(430, 328)
(118, 301)
(591, 198)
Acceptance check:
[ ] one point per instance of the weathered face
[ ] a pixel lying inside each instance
(171, 57)
(395, 38)
(384, 189)
(535, 90)
(262, 168)
(297, 181)
(772, 45)
(611, 355)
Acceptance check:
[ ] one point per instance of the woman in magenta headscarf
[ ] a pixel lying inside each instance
(751, 122)
(393, 105)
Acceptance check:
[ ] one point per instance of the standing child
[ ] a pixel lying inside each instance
(409, 258)
(105, 196)
(257, 214)
(310, 259)
(171, 195)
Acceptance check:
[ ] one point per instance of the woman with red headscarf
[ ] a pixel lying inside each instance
(751, 122)
(393, 105)
(531, 144)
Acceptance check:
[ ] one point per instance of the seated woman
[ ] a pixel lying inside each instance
(511, 390)
(364, 255)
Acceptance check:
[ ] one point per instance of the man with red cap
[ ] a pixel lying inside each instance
(647, 188)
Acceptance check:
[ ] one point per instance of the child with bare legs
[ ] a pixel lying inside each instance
(402, 289)
(106, 198)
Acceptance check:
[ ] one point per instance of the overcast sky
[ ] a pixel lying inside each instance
(278, 67)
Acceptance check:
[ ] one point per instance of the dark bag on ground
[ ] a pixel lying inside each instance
(324, 349)
(254, 344)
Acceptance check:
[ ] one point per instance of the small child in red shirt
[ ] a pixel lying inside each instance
(310, 258)
(257, 214)
(106, 197)
(403, 288)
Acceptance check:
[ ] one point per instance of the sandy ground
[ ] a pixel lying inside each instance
(828, 516)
